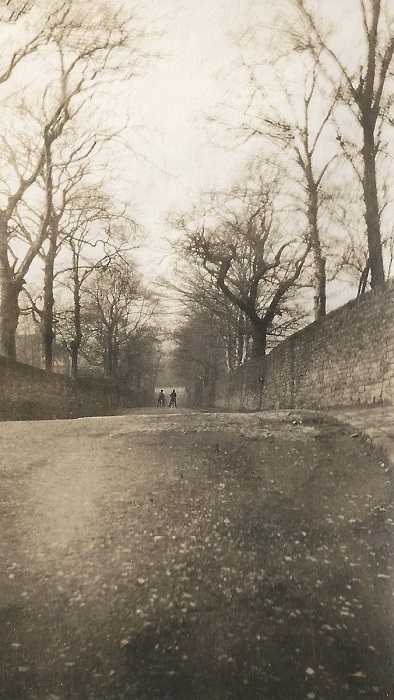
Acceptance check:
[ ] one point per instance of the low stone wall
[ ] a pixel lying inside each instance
(345, 359)
(28, 393)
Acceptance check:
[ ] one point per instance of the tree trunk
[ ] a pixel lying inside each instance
(107, 360)
(110, 356)
(212, 388)
(9, 317)
(9, 294)
(47, 330)
(320, 298)
(372, 216)
(259, 340)
(230, 349)
(115, 359)
(241, 339)
(198, 392)
(73, 360)
(76, 341)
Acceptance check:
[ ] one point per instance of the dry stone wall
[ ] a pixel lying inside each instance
(345, 359)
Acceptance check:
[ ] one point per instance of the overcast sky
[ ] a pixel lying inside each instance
(179, 150)
(173, 150)
(174, 97)
(169, 105)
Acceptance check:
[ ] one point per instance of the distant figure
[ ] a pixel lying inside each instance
(161, 399)
(172, 403)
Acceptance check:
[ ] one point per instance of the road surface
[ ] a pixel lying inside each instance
(194, 556)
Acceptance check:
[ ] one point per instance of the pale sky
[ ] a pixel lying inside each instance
(169, 158)
(171, 101)
(173, 154)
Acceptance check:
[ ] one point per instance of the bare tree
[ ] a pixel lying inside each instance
(196, 290)
(252, 262)
(83, 217)
(299, 138)
(10, 58)
(87, 235)
(12, 274)
(366, 91)
(117, 308)
(199, 352)
(80, 54)
(93, 227)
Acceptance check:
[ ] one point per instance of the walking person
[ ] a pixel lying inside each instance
(161, 399)
(172, 403)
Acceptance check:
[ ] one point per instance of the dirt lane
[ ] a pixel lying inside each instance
(182, 555)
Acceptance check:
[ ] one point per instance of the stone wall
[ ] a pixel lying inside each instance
(345, 359)
(28, 393)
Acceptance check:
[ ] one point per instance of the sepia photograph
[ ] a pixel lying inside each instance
(196, 349)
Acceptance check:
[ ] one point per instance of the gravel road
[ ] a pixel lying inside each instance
(189, 555)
